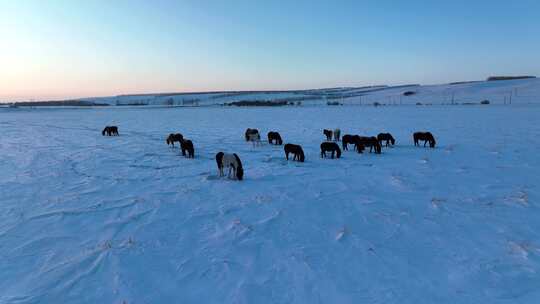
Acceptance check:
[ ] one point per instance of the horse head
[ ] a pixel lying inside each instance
(431, 139)
(240, 169)
(219, 159)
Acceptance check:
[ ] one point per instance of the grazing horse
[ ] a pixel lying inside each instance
(231, 161)
(426, 137)
(386, 137)
(337, 134)
(330, 147)
(353, 140)
(174, 137)
(296, 150)
(346, 140)
(255, 139)
(187, 145)
(110, 131)
(370, 142)
(251, 131)
(328, 134)
(274, 136)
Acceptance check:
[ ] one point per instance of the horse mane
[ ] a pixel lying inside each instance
(240, 169)
(238, 160)
(219, 159)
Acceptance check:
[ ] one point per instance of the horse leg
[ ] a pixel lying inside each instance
(425, 142)
(287, 155)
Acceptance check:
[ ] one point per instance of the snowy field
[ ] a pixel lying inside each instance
(92, 219)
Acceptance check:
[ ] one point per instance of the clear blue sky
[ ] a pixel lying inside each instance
(61, 49)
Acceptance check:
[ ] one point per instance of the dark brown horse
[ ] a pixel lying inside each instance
(274, 136)
(253, 132)
(386, 137)
(110, 131)
(370, 142)
(231, 161)
(426, 137)
(347, 140)
(296, 150)
(328, 134)
(174, 137)
(187, 145)
(330, 147)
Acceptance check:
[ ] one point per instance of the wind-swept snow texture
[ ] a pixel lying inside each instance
(92, 219)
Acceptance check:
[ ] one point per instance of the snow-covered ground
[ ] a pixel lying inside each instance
(92, 219)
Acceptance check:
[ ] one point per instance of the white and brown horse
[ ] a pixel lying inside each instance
(231, 161)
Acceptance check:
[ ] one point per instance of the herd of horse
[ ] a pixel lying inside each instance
(232, 162)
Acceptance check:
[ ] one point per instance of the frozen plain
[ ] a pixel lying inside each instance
(92, 219)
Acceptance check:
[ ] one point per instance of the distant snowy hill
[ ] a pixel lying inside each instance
(498, 92)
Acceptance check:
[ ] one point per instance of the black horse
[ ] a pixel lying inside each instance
(231, 161)
(110, 131)
(370, 142)
(174, 137)
(330, 147)
(426, 137)
(386, 137)
(187, 145)
(274, 136)
(296, 150)
(251, 132)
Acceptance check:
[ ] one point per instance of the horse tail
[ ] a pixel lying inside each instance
(103, 132)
